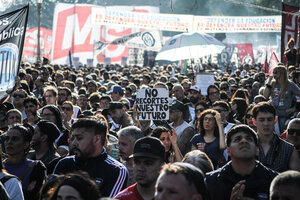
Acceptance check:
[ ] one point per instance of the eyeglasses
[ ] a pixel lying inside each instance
(19, 95)
(47, 115)
(293, 132)
(249, 116)
(208, 119)
(66, 108)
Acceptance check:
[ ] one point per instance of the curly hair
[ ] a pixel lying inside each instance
(200, 126)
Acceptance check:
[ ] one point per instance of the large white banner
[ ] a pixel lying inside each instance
(227, 24)
(167, 22)
(73, 31)
(186, 23)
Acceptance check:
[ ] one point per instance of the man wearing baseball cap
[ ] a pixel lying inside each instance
(148, 156)
(116, 93)
(194, 94)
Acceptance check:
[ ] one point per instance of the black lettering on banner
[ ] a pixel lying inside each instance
(151, 93)
(151, 105)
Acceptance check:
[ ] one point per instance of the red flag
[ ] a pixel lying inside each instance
(273, 63)
(289, 27)
(265, 67)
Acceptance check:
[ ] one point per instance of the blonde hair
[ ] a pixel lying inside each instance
(283, 80)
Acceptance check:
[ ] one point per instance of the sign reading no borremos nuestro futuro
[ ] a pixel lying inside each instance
(152, 104)
(12, 35)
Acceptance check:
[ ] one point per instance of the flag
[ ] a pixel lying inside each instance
(265, 67)
(12, 35)
(273, 63)
(289, 28)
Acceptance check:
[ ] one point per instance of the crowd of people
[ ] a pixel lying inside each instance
(72, 133)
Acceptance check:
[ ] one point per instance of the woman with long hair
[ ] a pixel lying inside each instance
(77, 186)
(210, 137)
(31, 173)
(53, 114)
(169, 139)
(281, 92)
(248, 117)
(290, 53)
(239, 107)
(11, 183)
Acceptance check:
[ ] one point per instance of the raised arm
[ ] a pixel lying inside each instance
(221, 132)
(173, 139)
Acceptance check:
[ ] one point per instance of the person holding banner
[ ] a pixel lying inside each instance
(281, 92)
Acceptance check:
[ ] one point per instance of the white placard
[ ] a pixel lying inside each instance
(203, 81)
(152, 104)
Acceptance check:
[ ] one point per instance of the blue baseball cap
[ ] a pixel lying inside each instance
(116, 89)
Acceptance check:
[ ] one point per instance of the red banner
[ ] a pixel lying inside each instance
(289, 27)
(30, 45)
(73, 31)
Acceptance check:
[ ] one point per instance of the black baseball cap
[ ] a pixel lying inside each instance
(149, 147)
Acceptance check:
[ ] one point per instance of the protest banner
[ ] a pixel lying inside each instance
(30, 44)
(289, 27)
(230, 24)
(167, 22)
(203, 80)
(73, 30)
(152, 104)
(12, 35)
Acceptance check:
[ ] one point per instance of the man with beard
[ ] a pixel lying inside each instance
(42, 142)
(118, 114)
(127, 137)
(148, 156)
(31, 107)
(194, 94)
(185, 132)
(65, 94)
(89, 136)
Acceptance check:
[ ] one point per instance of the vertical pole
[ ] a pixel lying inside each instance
(38, 34)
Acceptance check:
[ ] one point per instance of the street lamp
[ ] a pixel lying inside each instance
(39, 6)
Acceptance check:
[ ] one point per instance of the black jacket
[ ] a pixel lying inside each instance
(109, 174)
(221, 182)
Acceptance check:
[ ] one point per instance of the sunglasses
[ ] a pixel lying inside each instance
(66, 108)
(19, 95)
(249, 116)
(293, 132)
